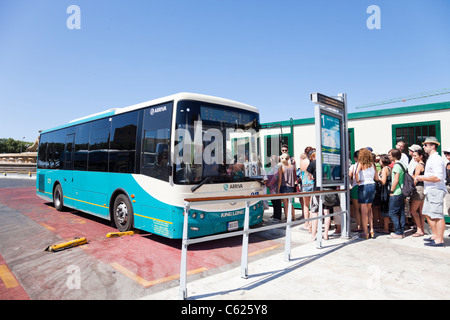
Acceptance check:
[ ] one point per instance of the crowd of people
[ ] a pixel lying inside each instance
(384, 190)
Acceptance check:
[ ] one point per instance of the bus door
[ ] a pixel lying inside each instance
(68, 164)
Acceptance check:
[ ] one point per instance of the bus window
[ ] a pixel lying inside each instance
(123, 143)
(59, 138)
(156, 141)
(81, 146)
(42, 154)
(50, 143)
(51, 150)
(215, 143)
(99, 145)
(68, 158)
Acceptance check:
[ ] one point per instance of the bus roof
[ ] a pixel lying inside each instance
(174, 97)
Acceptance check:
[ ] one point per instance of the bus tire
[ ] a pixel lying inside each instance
(123, 213)
(58, 198)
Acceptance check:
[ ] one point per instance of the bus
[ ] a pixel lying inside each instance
(135, 165)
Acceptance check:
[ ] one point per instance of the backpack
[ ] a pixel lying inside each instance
(408, 188)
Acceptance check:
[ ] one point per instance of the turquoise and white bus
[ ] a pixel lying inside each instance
(135, 166)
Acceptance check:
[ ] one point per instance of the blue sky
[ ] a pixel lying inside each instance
(270, 54)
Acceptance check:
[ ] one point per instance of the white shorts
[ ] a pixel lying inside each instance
(433, 206)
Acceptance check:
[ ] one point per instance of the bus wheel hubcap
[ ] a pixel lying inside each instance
(122, 213)
(57, 198)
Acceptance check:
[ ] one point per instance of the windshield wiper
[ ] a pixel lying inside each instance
(207, 179)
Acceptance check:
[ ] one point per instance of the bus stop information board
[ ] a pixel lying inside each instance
(330, 138)
(331, 147)
(332, 153)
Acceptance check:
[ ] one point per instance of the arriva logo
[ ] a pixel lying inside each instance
(156, 110)
(233, 186)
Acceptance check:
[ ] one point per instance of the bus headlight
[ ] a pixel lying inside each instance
(194, 215)
(202, 215)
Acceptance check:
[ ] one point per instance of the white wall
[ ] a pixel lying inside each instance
(377, 132)
(304, 136)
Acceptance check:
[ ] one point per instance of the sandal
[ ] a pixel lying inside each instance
(364, 235)
(416, 235)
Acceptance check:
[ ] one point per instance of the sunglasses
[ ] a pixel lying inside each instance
(283, 150)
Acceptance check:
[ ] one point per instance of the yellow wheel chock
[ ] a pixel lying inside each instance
(119, 234)
(66, 245)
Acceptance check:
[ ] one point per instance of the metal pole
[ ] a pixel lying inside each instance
(319, 225)
(318, 132)
(287, 244)
(245, 236)
(183, 267)
(346, 154)
(345, 218)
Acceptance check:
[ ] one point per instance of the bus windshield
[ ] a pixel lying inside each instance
(215, 143)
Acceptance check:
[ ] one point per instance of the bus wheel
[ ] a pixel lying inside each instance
(58, 198)
(123, 213)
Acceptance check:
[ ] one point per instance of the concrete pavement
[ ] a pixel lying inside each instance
(379, 268)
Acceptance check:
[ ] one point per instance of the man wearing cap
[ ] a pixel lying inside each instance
(435, 190)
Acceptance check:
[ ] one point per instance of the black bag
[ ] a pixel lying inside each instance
(331, 200)
(385, 190)
(408, 184)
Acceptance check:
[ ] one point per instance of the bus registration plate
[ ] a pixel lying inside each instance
(233, 225)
